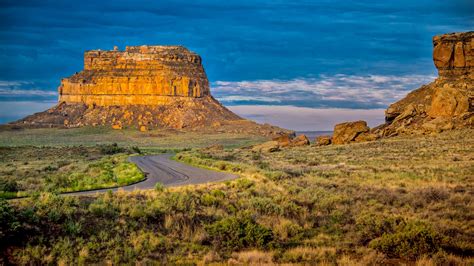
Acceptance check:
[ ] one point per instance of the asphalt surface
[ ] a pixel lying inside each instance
(160, 168)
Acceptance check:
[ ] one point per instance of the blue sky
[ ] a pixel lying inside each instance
(264, 59)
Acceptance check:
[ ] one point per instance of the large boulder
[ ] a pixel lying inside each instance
(323, 140)
(347, 132)
(300, 140)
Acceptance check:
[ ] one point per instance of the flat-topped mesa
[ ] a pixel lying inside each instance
(453, 55)
(140, 75)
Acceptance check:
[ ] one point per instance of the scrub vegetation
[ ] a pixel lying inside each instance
(395, 201)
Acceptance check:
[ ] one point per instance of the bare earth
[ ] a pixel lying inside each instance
(161, 169)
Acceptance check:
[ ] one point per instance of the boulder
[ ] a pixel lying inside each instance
(269, 146)
(300, 140)
(283, 140)
(323, 140)
(347, 132)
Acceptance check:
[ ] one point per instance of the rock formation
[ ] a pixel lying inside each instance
(140, 75)
(446, 103)
(143, 87)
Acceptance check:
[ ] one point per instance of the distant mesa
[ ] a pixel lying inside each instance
(143, 87)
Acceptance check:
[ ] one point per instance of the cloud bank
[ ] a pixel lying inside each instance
(338, 91)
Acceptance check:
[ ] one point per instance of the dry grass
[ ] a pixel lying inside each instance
(396, 201)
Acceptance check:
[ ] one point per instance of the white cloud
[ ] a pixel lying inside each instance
(307, 119)
(371, 91)
(18, 89)
(15, 92)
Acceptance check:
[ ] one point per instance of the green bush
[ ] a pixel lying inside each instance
(235, 233)
(410, 241)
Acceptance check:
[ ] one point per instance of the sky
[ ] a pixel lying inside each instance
(303, 65)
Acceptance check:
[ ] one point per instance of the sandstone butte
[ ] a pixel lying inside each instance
(444, 104)
(143, 87)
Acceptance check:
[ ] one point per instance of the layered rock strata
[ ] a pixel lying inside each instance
(140, 75)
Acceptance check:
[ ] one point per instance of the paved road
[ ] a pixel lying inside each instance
(160, 168)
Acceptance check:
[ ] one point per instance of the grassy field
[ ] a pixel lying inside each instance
(28, 170)
(395, 201)
(91, 136)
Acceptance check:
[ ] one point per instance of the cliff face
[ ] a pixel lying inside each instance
(143, 87)
(453, 55)
(143, 75)
(444, 104)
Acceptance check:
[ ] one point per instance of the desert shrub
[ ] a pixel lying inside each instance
(50, 168)
(8, 185)
(109, 149)
(135, 149)
(54, 208)
(244, 183)
(72, 227)
(208, 199)
(235, 233)
(370, 226)
(276, 175)
(103, 208)
(159, 187)
(410, 241)
(9, 223)
(265, 206)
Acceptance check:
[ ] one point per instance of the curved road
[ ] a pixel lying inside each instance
(160, 168)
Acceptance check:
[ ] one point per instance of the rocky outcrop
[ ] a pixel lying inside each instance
(143, 87)
(447, 103)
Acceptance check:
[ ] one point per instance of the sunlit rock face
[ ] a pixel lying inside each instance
(453, 55)
(140, 75)
(446, 103)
